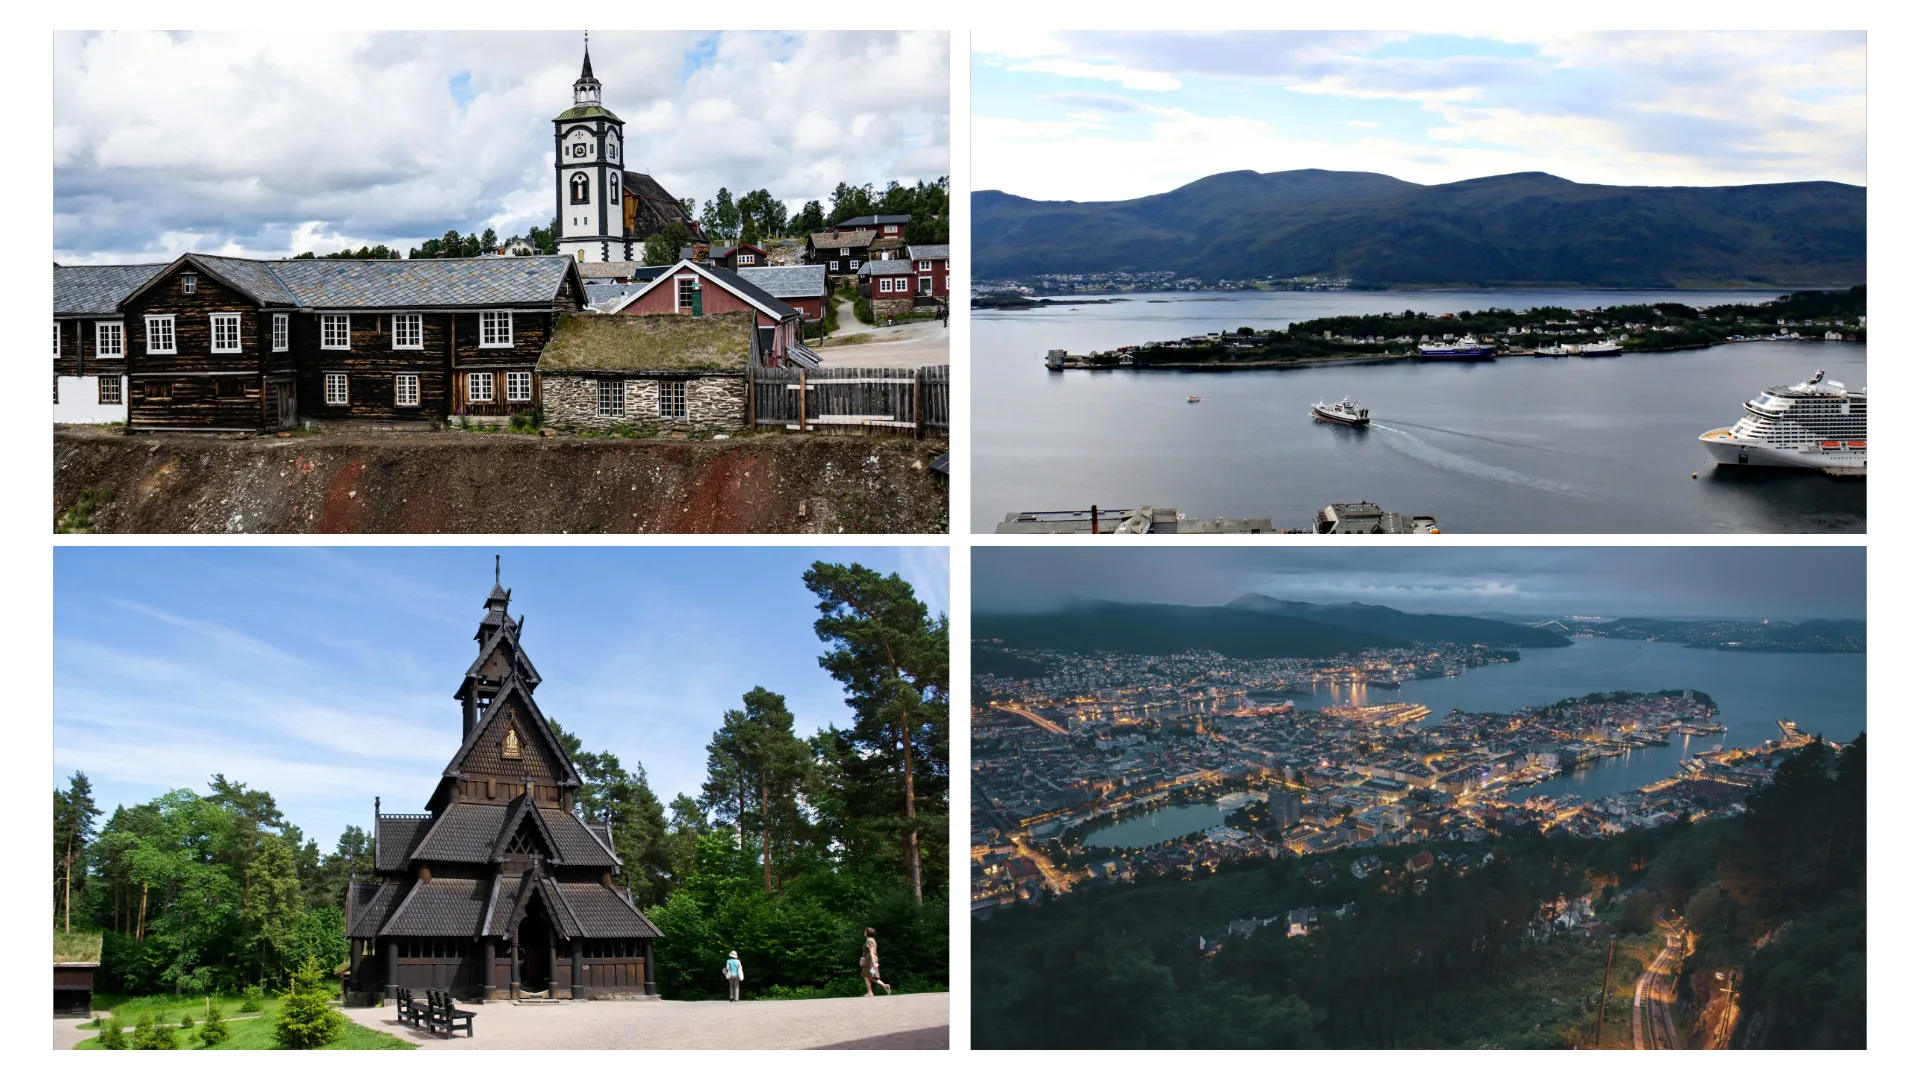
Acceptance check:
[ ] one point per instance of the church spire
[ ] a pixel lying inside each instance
(586, 89)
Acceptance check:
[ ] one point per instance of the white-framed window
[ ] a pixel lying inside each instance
(612, 397)
(519, 386)
(109, 341)
(109, 389)
(406, 332)
(496, 329)
(189, 284)
(336, 388)
(406, 390)
(834, 266)
(479, 386)
(846, 251)
(886, 284)
(56, 340)
(899, 284)
(684, 297)
(279, 333)
(673, 400)
(226, 332)
(160, 334)
(336, 332)
(926, 265)
(745, 258)
(853, 264)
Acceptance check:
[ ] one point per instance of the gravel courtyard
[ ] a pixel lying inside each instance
(901, 1022)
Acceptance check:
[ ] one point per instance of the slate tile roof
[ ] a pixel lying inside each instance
(97, 290)
(876, 219)
(927, 251)
(887, 268)
(787, 281)
(394, 839)
(345, 284)
(466, 832)
(855, 239)
(604, 912)
(370, 912)
(743, 287)
(575, 840)
(443, 907)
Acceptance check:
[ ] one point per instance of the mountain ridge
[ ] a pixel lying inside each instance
(1512, 230)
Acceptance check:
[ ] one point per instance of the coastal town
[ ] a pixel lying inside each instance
(1086, 741)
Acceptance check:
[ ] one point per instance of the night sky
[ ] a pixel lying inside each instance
(1726, 582)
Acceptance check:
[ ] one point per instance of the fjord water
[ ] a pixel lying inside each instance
(1824, 693)
(1521, 444)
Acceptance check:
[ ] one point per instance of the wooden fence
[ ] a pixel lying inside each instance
(905, 400)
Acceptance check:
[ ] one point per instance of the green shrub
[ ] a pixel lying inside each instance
(214, 1031)
(307, 1018)
(863, 310)
(111, 1037)
(251, 1000)
(150, 1036)
(186, 1022)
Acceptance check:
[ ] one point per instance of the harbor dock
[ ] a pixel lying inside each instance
(1145, 519)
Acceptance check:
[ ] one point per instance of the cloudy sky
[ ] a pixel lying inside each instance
(1094, 115)
(1730, 582)
(326, 675)
(272, 144)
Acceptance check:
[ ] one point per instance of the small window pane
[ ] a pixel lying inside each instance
(519, 386)
(673, 400)
(406, 331)
(279, 333)
(406, 389)
(109, 389)
(336, 388)
(496, 329)
(480, 386)
(613, 397)
(334, 332)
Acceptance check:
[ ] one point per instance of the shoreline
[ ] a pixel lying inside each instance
(1368, 358)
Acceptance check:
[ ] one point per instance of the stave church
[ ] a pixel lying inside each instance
(500, 889)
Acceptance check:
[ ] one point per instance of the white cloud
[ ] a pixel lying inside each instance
(269, 144)
(1131, 78)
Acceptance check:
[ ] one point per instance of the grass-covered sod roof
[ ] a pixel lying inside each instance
(586, 344)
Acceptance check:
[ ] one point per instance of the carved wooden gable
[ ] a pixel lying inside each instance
(512, 747)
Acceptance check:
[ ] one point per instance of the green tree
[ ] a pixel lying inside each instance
(271, 910)
(720, 218)
(811, 219)
(489, 241)
(321, 934)
(625, 802)
(761, 216)
(663, 247)
(214, 1031)
(891, 657)
(756, 772)
(307, 1018)
(111, 1037)
(850, 202)
(74, 814)
(148, 1035)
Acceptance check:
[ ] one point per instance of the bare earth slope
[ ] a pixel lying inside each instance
(390, 482)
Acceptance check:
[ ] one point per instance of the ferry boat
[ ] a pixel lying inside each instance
(1345, 411)
(1555, 350)
(1817, 424)
(1466, 347)
(1603, 348)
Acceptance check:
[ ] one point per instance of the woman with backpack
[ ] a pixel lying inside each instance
(734, 974)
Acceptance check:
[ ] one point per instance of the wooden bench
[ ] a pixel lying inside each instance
(442, 1016)
(409, 1009)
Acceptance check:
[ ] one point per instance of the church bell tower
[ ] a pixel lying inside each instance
(588, 141)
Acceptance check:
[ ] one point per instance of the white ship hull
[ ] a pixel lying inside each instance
(1730, 450)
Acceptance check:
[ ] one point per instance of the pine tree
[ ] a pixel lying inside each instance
(150, 1036)
(111, 1037)
(214, 1031)
(307, 1018)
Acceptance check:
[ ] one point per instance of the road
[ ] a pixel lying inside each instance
(1653, 995)
(1040, 721)
(920, 343)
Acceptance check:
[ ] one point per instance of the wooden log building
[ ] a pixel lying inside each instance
(244, 345)
(90, 341)
(500, 889)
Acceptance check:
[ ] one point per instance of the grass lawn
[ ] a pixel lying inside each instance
(244, 1032)
(169, 1008)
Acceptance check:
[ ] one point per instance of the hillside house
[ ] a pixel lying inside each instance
(90, 341)
(694, 289)
(661, 371)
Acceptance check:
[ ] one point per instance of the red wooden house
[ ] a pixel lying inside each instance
(694, 289)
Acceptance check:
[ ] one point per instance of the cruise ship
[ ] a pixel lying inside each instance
(1817, 424)
(1467, 347)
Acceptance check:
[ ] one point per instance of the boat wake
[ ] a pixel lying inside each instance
(1487, 438)
(1419, 449)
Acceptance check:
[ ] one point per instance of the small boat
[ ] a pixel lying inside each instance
(1550, 350)
(1602, 348)
(1345, 411)
(1193, 399)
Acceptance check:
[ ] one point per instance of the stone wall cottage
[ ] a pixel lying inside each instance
(666, 371)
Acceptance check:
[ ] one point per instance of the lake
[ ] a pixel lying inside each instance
(1157, 826)
(1521, 444)
(1825, 693)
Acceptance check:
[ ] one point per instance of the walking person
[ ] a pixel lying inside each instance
(870, 964)
(734, 974)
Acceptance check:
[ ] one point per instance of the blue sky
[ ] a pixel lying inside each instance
(326, 675)
(271, 143)
(1107, 115)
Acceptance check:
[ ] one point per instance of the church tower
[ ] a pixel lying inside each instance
(588, 141)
